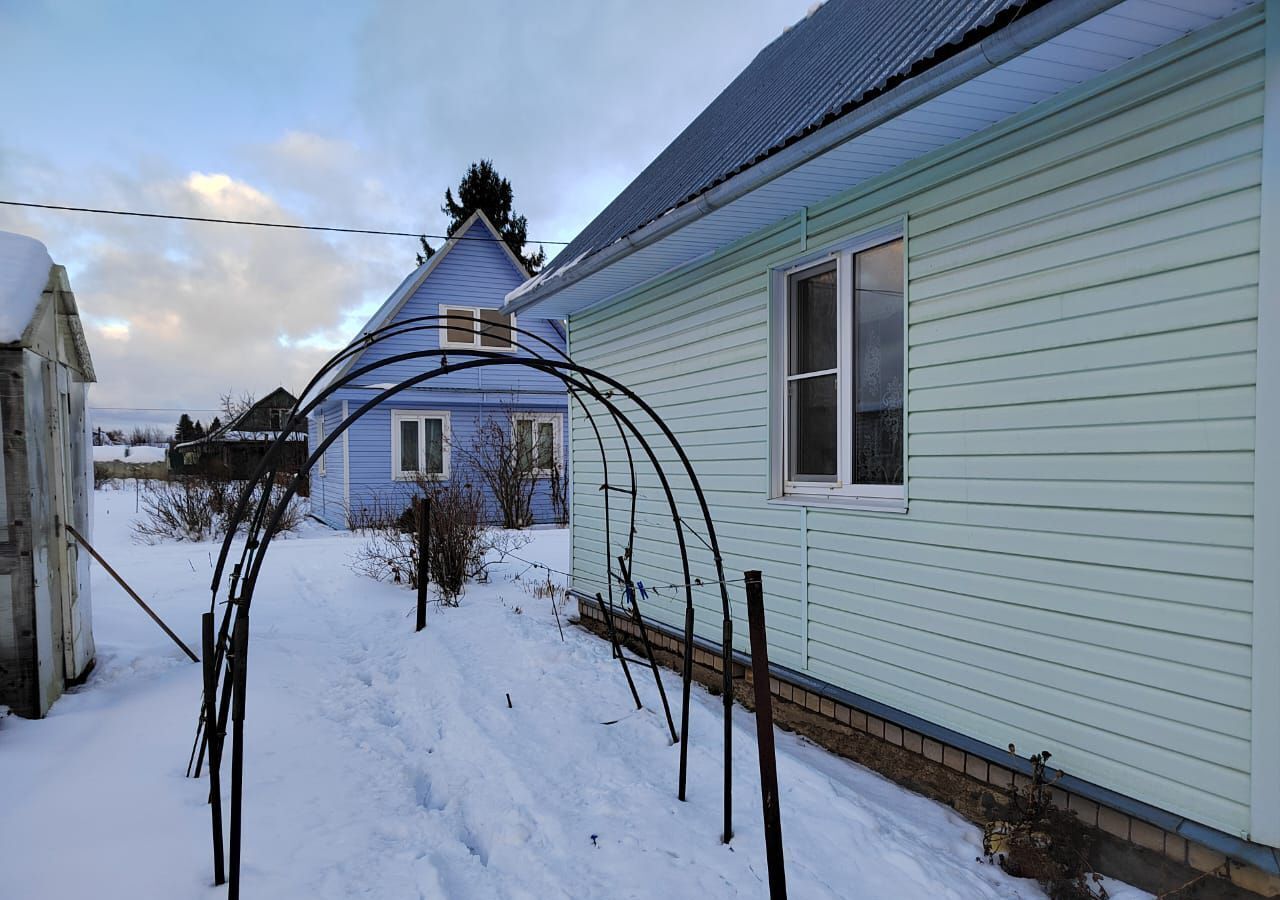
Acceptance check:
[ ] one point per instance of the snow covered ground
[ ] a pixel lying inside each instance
(383, 763)
(140, 454)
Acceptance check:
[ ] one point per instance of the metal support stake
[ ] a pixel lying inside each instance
(203, 741)
(764, 738)
(726, 686)
(629, 589)
(686, 676)
(617, 649)
(210, 718)
(423, 508)
(238, 678)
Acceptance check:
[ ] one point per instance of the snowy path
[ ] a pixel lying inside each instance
(381, 763)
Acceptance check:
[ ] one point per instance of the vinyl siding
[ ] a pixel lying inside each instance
(477, 273)
(1074, 569)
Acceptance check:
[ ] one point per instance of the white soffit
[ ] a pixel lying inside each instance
(1125, 32)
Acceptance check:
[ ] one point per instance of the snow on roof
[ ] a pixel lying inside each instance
(24, 271)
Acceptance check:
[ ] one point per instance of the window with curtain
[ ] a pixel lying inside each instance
(537, 441)
(419, 444)
(476, 327)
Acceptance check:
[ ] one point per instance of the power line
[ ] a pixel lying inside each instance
(177, 218)
(156, 408)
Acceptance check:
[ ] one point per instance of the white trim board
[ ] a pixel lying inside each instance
(1264, 775)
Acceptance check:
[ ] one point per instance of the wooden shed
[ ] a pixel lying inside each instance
(46, 635)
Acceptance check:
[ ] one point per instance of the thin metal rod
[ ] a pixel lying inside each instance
(764, 738)
(686, 683)
(630, 590)
(617, 650)
(238, 678)
(130, 591)
(726, 686)
(219, 644)
(215, 793)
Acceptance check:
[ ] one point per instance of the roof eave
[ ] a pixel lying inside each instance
(993, 50)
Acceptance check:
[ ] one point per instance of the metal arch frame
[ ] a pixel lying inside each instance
(580, 381)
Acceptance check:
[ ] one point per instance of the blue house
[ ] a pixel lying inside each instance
(431, 431)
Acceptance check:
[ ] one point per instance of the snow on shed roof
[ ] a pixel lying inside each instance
(24, 272)
(843, 53)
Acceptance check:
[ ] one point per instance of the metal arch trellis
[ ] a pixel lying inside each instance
(225, 651)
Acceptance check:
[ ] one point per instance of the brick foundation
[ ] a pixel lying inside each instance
(1127, 848)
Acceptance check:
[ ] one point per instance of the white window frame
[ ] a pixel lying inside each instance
(451, 310)
(841, 491)
(418, 415)
(556, 431)
(320, 471)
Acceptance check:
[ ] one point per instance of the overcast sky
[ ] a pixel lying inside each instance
(356, 115)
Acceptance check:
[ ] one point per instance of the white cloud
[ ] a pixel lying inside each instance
(180, 312)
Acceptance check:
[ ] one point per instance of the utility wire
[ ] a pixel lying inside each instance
(177, 218)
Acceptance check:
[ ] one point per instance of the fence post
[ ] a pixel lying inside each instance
(764, 738)
(423, 507)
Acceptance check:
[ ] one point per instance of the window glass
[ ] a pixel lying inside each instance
(812, 322)
(460, 326)
(813, 427)
(433, 441)
(495, 329)
(408, 445)
(878, 332)
(524, 442)
(546, 456)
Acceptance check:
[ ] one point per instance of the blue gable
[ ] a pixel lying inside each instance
(473, 269)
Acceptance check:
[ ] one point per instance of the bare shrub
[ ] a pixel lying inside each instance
(503, 465)
(559, 481)
(192, 508)
(375, 514)
(460, 547)
(1035, 838)
(149, 435)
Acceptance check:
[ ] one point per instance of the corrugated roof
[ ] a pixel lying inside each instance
(838, 57)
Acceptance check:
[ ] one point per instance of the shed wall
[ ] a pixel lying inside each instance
(1074, 569)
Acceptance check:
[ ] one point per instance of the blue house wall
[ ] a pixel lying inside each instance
(476, 271)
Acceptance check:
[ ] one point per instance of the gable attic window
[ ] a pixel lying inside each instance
(470, 327)
(839, 324)
(419, 444)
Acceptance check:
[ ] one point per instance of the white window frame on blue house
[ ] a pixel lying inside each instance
(456, 311)
(536, 419)
(419, 415)
(839, 489)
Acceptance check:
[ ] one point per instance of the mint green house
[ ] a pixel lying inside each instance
(968, 314)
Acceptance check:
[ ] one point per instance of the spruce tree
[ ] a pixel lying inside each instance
(214, 426)
(185, 430)
(198, 431)
(483, 188)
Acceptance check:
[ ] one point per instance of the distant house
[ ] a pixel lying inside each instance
(427, 431)
(235, 449)
(46, 624)
(969, 314)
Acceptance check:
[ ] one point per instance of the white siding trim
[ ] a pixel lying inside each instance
(1264, 776)
(446, 436)
(346, 463)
